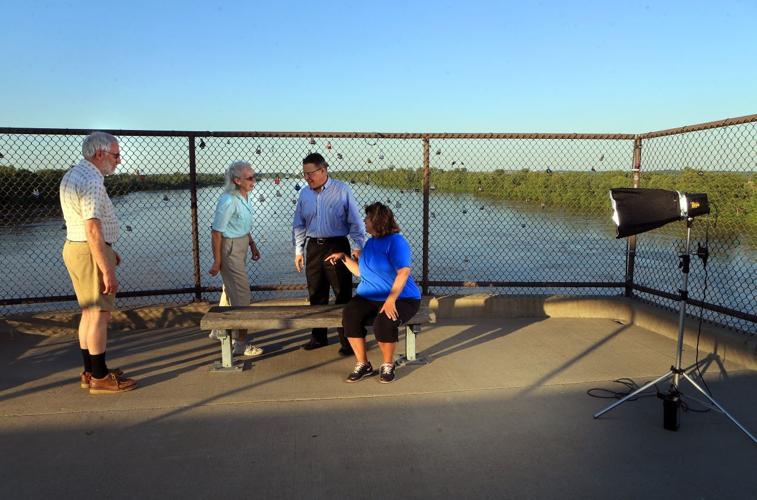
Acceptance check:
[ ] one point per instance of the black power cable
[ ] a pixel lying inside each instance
(704, 253)
(628, 383)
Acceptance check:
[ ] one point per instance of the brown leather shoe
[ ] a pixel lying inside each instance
(111, 384)
(86, 376)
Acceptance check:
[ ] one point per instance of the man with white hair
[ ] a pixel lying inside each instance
(91, 230)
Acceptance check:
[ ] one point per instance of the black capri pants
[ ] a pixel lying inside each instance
(361, 312)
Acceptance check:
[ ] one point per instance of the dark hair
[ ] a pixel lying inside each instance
(316, 159)
(382, 219)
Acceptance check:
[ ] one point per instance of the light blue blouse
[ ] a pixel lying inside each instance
(233, 216)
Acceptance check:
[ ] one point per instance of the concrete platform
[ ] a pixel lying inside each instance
(501, 411)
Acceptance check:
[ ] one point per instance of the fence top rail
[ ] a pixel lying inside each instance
(325, 135)
(701, 126)
(388, 135)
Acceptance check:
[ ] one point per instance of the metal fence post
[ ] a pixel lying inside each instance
(426, 183)
(631, 244)
(195, 232)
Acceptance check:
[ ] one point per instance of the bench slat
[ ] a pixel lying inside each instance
(261, 317)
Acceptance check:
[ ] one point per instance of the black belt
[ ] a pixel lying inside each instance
(323, 241)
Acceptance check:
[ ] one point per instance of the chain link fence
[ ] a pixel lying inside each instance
(719, 159)
(521, 213)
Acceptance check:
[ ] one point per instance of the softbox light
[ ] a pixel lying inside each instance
(636, 210)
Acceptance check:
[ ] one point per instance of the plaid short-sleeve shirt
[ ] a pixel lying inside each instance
(83, 196)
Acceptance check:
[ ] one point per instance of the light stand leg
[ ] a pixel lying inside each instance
(722, 410)
(634, 393)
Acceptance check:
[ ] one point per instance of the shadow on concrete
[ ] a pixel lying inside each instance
(479, 445)
(175, 352)
(25, 358)
(470, 337)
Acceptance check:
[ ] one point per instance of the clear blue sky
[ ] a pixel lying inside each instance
(386, 66)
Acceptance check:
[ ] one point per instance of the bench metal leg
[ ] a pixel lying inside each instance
(410, 358)
(227, 364)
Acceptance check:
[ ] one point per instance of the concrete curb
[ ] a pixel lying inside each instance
(739, 348)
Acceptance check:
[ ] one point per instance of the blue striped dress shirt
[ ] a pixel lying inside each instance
(331, 212)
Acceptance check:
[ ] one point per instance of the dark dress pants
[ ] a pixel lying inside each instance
(322, 276)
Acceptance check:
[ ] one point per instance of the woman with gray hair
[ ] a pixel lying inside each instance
(230, 238)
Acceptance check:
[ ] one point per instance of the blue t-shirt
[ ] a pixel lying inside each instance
(379, 262)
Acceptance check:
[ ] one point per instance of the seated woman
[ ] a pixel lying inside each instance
(386, 297)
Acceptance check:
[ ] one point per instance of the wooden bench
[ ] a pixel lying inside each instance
(263, 317)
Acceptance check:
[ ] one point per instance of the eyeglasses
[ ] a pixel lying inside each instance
(310, 174)
(249, 178)
(117, 156)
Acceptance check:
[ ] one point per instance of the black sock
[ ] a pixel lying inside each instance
(87, 361)
(99, 369)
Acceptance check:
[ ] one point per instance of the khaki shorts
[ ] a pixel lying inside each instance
(86, 276)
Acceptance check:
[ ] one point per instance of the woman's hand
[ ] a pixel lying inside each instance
(390, 308)
(255, 251)
(215, 268)
(335, 257)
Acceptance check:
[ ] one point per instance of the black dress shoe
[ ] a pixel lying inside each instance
(313, 344)
(346, 351)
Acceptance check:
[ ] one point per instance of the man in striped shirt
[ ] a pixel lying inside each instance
(326, 213)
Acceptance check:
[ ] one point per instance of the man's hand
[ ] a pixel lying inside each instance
(356, 253)
(299, 262)
(110, 283)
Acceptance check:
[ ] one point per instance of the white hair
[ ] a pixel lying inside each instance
(97, 141)
(235, 171)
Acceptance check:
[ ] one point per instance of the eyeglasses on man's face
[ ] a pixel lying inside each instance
(307, 174)
(117, 156)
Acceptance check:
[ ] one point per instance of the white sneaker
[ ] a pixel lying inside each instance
(215, 334)
(252, 350)
(241, 349)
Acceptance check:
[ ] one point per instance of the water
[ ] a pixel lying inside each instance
(470, 239)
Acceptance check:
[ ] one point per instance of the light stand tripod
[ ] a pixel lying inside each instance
(671, 401)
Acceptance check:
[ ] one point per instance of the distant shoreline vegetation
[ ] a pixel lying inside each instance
(36, 193)
(578, 192)
(732, 194)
